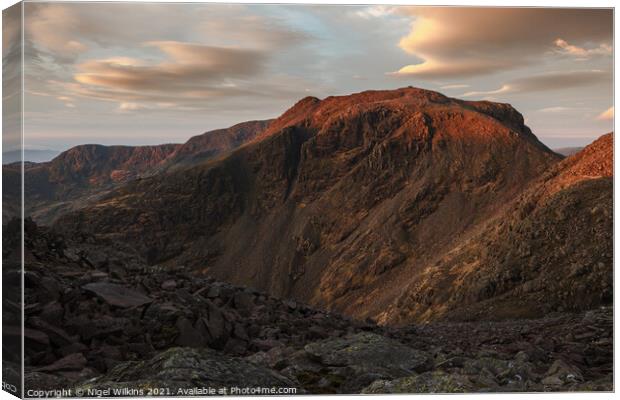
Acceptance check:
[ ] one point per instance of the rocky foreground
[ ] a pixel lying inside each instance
(98, 318)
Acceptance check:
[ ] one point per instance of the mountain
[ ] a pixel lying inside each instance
(78, 175)
(342, 202)
(36, 156)
(82, 174)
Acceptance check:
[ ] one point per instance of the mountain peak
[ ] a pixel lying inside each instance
(482, 117)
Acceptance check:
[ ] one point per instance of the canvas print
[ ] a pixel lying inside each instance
(254, 199)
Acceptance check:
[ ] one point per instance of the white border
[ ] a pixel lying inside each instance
(483, 3)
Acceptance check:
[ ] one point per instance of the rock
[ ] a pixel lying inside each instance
(317, 332)
(52, 312)
(186, 368)
(103, 327)
(43, 381)
(57, 335)
(244, 302)
(188, 335)
(236, 346)
(117, 295)
(163, 312)
(428, 382)
(169, 284)
(552, 381)
(72, 348)
(368, 351)
(217, 326)
(31, 335)
(353, 362)
(72, 362)
(240, 332)
(266, 344)
(560, 373)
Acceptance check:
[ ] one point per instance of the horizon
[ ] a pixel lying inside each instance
(98, 73)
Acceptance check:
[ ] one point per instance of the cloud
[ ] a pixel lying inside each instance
(68, 30)
(189, 68)
(582, 53)
(548, 82)
(478, 93)
(375, 11)
(455, 86)
(188, 71)
(463, 42)
(606, 115)
(557, 109)
(196, 53)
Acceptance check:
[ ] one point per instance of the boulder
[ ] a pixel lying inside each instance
(117, 295)
(185, 368)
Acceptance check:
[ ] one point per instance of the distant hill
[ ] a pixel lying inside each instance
(36, 156)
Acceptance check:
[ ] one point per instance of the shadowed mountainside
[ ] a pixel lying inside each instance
(82, 174)
(339, 201)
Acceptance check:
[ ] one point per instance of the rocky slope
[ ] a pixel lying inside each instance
(99, 319)
(337, 202)
(551, 250)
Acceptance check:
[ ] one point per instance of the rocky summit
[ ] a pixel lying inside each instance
(384, 242)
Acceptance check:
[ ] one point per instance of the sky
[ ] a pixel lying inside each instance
(140, 73)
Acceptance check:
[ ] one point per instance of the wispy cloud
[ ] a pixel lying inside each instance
(557, 109)
(455, 86)
(548, 82)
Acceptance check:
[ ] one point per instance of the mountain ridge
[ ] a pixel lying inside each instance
(84, 173)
